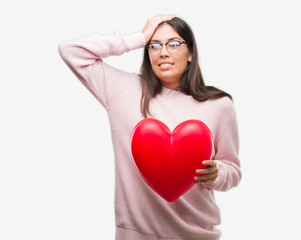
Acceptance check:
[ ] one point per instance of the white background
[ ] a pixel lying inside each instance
(56, 160)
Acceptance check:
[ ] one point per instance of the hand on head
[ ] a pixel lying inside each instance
(152, 24)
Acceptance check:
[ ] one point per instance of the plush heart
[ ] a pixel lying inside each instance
(167, 161)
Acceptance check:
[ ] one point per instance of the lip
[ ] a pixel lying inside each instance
(165, 62)
(165, 65)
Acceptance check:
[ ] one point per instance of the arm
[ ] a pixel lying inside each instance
(84, 57)
(224, 171)
(85, 51)
(227, 159)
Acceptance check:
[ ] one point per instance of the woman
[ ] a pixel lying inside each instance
(170, 89)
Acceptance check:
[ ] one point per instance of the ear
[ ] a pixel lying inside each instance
(189, 57)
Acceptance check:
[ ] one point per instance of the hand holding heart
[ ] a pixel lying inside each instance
(208, 175)
(169, 161)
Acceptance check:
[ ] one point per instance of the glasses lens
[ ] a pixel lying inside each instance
(173, 46)
(154, 48)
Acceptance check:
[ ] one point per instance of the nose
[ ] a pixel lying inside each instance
(164, 51)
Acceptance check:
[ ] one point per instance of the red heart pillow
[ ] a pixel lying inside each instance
(167, 161)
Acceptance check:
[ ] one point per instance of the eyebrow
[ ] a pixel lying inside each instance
(170, 39)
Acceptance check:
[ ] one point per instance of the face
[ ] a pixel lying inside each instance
(169, 67)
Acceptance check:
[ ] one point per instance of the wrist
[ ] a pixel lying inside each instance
(136, 40)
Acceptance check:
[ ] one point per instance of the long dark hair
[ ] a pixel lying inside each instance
(191, 83)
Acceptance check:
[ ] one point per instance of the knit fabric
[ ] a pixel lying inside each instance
(140, 213)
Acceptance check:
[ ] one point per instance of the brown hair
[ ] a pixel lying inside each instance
(191, 83)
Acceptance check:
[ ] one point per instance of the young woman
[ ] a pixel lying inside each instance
(170, 89)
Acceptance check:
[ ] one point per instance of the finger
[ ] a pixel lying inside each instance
(159, 19)
(210, 180)
(205, 178)
(155, 21)
(152, 24)
(211, 163)
(212, 167)
(165, 17)
(207, 170)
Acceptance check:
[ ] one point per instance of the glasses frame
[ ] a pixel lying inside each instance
(161, 44)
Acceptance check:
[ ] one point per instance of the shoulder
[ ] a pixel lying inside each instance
(224, 106)
(225, 116)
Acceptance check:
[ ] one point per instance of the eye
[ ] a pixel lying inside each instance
(155, 46)
(173, 44)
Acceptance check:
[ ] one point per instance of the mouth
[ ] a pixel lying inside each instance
(165, 65)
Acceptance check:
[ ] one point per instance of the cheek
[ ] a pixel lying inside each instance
(183, 62)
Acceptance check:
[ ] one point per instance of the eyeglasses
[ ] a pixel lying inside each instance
(171, 46)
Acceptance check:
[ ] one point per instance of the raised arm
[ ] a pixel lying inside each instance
(85, 51)
(84, 56)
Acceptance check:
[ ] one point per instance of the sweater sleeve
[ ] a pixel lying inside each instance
(84, 56)
(226, 156)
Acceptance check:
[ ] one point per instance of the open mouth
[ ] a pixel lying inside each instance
(165, 65)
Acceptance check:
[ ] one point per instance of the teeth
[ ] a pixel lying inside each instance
(165, 65)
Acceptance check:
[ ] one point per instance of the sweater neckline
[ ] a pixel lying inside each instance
(169, 91)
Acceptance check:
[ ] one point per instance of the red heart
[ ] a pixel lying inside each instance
(168, 161)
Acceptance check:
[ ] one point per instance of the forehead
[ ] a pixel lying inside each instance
(165, 33)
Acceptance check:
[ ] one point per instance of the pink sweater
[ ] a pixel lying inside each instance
(141, 214)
